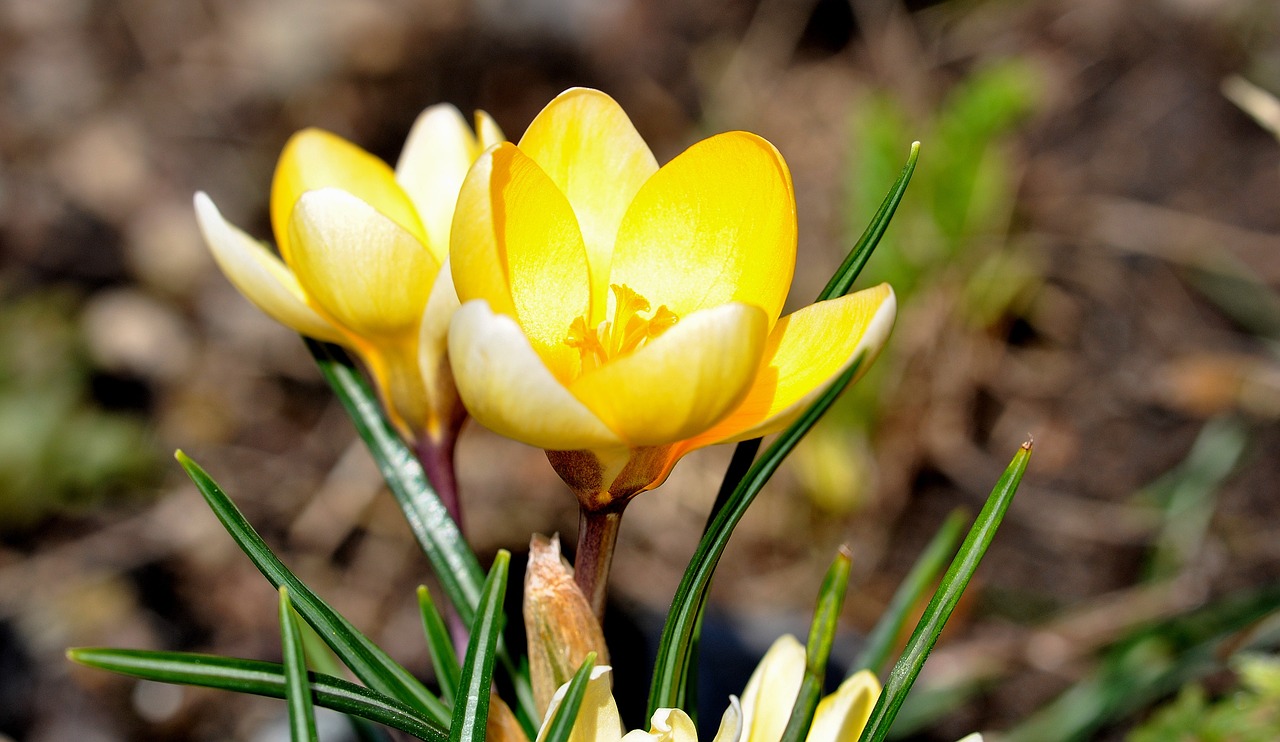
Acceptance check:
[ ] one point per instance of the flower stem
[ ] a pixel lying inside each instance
(436, 457)
(597, 535)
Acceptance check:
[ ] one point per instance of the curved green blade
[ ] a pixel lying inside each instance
(302, 713)
(471, 705)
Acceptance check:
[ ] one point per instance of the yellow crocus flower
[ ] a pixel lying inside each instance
(363, 258)
(620, 315)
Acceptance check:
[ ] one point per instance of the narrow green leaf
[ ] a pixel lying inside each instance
(822, 635)
(471, 705)
(452, 560)
(674, 651)
(297, 691)
(322, 659)
(566, 714)
(945, 599)
(440, 644)
(366, 659)
(261, 679)
(920, 578)
(842, 282)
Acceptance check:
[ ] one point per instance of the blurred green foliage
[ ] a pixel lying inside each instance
(58, 448)
(1250, 713)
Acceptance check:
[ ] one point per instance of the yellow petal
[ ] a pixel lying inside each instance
(717, 224)
(598, 719)
(772, 691)
(807, 350)
(259, 275)
(591, 151)
(435, 159)
(516, 245)
(841, 716)
(447, 412)
(506, 387)
(667, 725)
(359, 267)
(730, 723)
(488, 133)
(681, 382)
(314, 159)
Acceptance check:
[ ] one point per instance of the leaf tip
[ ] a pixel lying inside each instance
(1029, 443)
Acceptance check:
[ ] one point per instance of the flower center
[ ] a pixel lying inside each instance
(628, 331)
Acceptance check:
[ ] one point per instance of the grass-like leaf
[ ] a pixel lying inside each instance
(566, 715)
(262, 679)
(675, 650)
(440, 645)
(842, 282)
(822, 635)
(452, 560)
(918, 580)
(471, 704)
(302, 712)
(366, 659)
(945, 599)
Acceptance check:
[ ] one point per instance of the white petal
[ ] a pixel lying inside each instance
(731, 723)
(433, 348)
(508, 389)
(772, 691)
(842, 715)
(598, 719)
(259, 275)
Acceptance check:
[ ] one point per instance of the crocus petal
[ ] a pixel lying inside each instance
(435, 159)
(314, 159)
(506, 387)
(772, 690)
(598, 719)
(805, 351)
(359, 267)
(841, 716)
(716, 224)
(591, 151)
(667, 725)
(730, 723)
(681, 382)
(516, 245)
(259, 275)
(975, 737)
(433, 353)
(488, 133)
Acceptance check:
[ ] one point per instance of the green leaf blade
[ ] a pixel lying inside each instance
(822, 635)
(366, 659)
(302, 713)
(471, 705)
(261, 679)
(566, 714)
(945, 598)
(440, 644)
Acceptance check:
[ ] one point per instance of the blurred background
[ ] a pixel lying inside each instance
(1089, 253)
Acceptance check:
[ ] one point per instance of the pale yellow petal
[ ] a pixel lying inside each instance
(488, 133)
(506, 387)
(841, 716)
(682, 382)
(259, 275)
(806, 351)
(591, 151)
(516, 245)
(730, 723)
(435, 159)
(598, 719)
(772, 691)
(313, 159)
(717, 224)
(667, 725)
(359, 267)
(975, 737)
(447, 412)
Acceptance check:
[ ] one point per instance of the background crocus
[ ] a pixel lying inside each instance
(620, 315)
(363, 263)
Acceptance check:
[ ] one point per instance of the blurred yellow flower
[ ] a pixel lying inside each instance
(363, 257)
(620, 315)
(760, 717)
